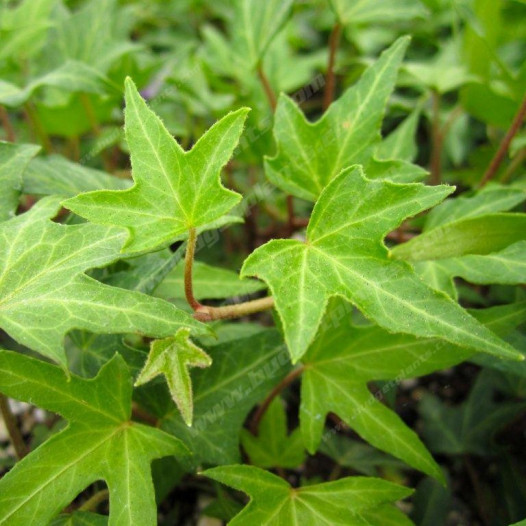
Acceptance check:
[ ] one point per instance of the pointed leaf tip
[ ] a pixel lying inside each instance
(173, 357)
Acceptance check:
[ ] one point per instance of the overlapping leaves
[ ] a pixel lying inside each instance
(344, 246)
(310, 155)
(44, 291)
(100, 442)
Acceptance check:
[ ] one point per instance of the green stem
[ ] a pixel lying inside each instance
(258, 415)
(93, 502)
(504, 145)
(90, 113)
(12, 428)
(330, 80)
(188, 264)
(204, 313)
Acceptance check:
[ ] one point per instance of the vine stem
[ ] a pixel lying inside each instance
(237, 310)
(504, 145)
(188, 264)
(269, 92)
(258, 415)
(205, 313)
(6, 123)
(334, 40)
(12, 428)
(92, 503)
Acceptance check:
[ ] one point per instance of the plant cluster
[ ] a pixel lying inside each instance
(289, 290)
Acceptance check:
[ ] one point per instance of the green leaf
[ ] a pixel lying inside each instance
(344, 359)
(376, 11)
(208, 283)
(432, 503)
(492, 199)
(242, 374)
(14, 159)
(80, 518)
(172, 357)
(100, 442)
(56, 175)
(348, 501)
(473, 235)
(469, 427)
(310, 155)
(72, 76)
(24, 28)
(45, 293)
(400, 144)
(355, 455)
(506, 267)
(255, 24)
(174, 190)
(272, 447)
(344, 245)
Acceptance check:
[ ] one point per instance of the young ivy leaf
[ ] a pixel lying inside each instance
(14, 159)
(255, 24)
(172, 357)
(351, 501)
(174, 190)
(100, 442)
(272, 447)
(345, 246)
(45, 293)
(310, 155)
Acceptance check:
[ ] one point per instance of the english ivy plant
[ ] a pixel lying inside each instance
(269, 301)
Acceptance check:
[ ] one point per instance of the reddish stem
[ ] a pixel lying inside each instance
(504, 145)
(330, 83)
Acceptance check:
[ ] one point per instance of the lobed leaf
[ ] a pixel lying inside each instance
(100, 443)
(310, 155)
(172, 357)
(44, 291)
(174, 190)
(344, 245)
(351, 501)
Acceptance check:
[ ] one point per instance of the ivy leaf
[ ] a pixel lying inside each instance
(255, 25)
(345, 358)
(356, 455)
(72, 76)
(243, 372)
(208, 282)
(344, 245)
(14, 159)
(401, 143)
(310, 155)
(100, 442)
(491, 199)
(376, 11)
(80, 518)
(44, 292)
(272, 447)
(174, 190)
(56, 175)
(505, 267)
(172, 357)
(472, 235)
(351, 501)
(469, 427)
